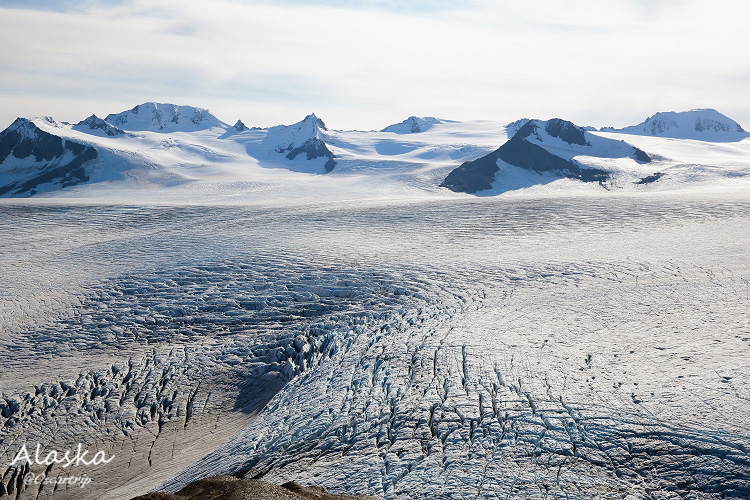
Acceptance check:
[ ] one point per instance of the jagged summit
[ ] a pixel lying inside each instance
(94, 123)
(22, 126)
(413, 125)
(315, 122)
(556, 127)
(24, 137)
(240, 126)
(513, 127)
(700, 124)
(306, 136)
(292, 136)
(30, 125)
(161, 117)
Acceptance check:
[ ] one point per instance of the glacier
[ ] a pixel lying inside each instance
(205, 305)
(493, 347)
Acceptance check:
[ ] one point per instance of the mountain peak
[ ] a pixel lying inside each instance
(413, 125)
(310, 127)
(306, 136)
(555, 127)
(161, 117)
(37, 158)
(22, 125)
(551, 147)
(29, 127)
(704, 124)
(315, 121)
(95, 123)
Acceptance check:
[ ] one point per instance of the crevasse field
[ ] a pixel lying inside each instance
(484, 348)
(563, 343)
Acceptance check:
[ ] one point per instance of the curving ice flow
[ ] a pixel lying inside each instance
(194, 298)
(486, 347)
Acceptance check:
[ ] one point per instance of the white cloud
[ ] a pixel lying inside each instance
(600, 63)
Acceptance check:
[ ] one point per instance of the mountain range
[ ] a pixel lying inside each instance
(166, 145)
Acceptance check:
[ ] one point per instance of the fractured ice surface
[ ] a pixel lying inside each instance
(488, 348)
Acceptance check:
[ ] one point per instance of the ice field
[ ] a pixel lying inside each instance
(192, 298)
(579, 346)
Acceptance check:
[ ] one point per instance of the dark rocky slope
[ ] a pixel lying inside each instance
(231, 488)
(55, 160)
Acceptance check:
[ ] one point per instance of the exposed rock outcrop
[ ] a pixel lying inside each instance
(231, 488)
(525, 149)
(94, 123)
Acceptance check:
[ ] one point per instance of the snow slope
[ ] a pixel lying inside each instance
(699, 124)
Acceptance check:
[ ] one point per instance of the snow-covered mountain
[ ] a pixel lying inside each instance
(413, 125)
(160, 117)
(95, 125)
(306, 136)
(515, 126)
(163, 148)
(553, 146)
(32, 160)
(169, 144)
(700, 124)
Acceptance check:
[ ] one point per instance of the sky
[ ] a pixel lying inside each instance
(365, 64)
